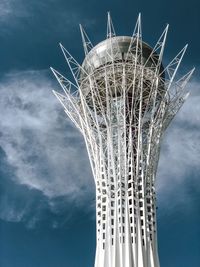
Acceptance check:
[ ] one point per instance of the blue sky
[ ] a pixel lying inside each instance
(47, 215)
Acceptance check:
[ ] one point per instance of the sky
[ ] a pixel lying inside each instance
(47, 194)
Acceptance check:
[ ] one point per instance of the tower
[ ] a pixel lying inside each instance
(122, 101)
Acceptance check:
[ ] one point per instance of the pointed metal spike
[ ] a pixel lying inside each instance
(59, 96)
(161, 43)
(61, 77)
(184, 79)
(65, 52)
(136, 37)
(70, 59)
(70, 108)
(64, 82)
(87, 44)
(138, 28)
(173, 66)
(56, 73)
(74, 66)
(110, 28)
(187, 75)
(160, 46)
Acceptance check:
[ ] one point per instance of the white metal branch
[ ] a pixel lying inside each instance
(74, 66)
(87, 44)
(110, 28)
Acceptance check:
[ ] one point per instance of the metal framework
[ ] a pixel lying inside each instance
(122, 101)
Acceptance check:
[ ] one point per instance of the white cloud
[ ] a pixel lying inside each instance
(20, 13)
(180, 153)
(11, 8)
(5, 8)
(48, 154)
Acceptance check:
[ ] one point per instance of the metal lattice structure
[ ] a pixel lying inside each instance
(122, 101)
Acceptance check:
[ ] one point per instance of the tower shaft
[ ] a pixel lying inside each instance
(122, 103)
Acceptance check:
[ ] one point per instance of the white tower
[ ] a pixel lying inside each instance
(122, 101)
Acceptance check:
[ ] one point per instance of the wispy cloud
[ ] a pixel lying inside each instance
(179, 163)
(43, 16)
(5, 8)
(41, 145)
(11, 8)
(47, 154)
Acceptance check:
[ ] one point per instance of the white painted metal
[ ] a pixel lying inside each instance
(122, 103)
